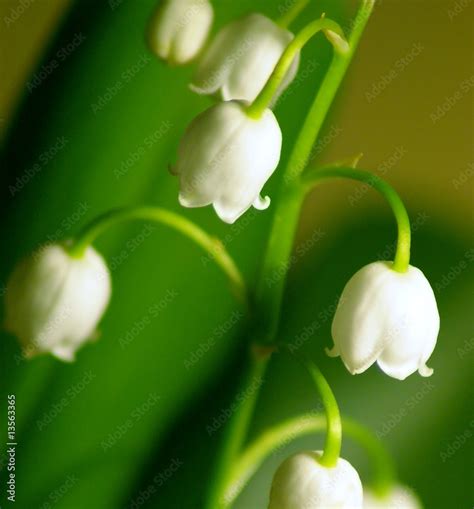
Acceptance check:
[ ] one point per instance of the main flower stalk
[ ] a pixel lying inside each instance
(269, 296)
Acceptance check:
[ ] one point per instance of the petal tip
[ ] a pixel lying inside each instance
(425, 371)
(332, 352)
(261, 203)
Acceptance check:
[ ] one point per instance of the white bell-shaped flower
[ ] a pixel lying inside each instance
(179, 29)
(400, 497)
(301, 482)
(241, 58)
(389, 317)
(225, 158)
(54, 301)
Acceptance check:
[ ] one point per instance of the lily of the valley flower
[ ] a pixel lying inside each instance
(225, 157)
(54, 301)
(302, 482)
(389, 317)
(400, 497)
(179, 29)
(242, 57)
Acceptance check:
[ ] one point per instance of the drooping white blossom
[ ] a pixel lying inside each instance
(241, 58)
(225, 157)
(301, 482)
(386, 317)
(54, 301)
(179, 28)
(400, 497)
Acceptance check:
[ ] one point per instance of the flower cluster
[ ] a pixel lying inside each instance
(226, 155)
(387, 313)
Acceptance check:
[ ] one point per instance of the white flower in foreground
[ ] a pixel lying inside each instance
(302, 482)
(179, 29)
(225, 158)
(388, 317)
(241, 58)
(54, 302)
(399, 498)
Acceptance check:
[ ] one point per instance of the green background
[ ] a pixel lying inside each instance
(172, 374)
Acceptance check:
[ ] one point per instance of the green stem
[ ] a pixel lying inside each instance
(210, 244)
(271, 281)
(332, 447)
(402, 258)
(277, 437)
(292, 13)
(265, 98)
(271, 284)
(236, 432)
(327, 91)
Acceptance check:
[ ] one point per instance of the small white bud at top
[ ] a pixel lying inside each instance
(301, 482)
(225, 158)
(386, 317)
(179, 29)
(241, 58)
(54, 302)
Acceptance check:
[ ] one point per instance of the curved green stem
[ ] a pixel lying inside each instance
(265, 98)
(332, 447)
(210, 244)
(236, 431)
(330, 85)
(292, 13)
(277, 437)
(271, 284)
(402, 258)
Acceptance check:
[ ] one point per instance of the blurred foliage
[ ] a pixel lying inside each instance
(129, 420)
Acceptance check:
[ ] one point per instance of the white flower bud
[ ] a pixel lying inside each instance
(388, 317)
(225, 158)
(179, 29)
(400, 497)
(302, 482)
(54, 302)
(242, 57)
